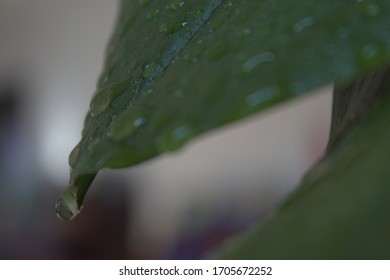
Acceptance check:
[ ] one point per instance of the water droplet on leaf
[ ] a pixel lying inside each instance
(175, 139)
(105, 96)
(138, 122)
(343, 32)
(178, 93)
(303, 23)
(180, 133)
(125, 124)
(298, 88)
(372, 9)
(369, 8)
(246, 31)
(176, 5)
(369, 51)
(199, 13)
(256, 60)
(99, 104)
(371, 54)
(260, 96)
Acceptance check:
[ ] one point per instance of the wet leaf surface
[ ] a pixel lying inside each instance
(177, 69)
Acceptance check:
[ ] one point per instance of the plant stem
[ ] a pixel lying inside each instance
(352, 102)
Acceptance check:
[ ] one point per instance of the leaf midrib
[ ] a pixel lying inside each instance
(178, 46)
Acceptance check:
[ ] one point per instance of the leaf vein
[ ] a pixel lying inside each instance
(178, 46)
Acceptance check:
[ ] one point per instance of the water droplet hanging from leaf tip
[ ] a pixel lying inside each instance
(67, 207)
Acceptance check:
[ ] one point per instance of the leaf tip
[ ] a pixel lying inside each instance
(67, 207)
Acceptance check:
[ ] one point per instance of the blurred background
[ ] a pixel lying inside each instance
(177, 206)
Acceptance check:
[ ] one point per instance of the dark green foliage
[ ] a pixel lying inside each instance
(176, 69)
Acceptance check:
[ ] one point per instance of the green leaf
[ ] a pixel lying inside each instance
(341, 211)
(177, 69)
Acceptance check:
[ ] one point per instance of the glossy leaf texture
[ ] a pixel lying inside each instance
(341, 211)
(177, 69)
